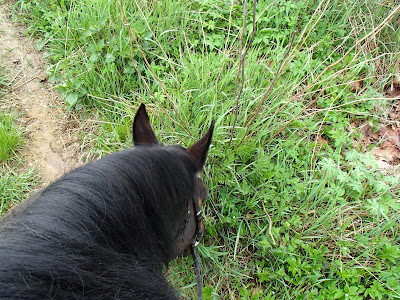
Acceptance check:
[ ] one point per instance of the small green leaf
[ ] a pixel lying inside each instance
(110, 58)
(71, 99)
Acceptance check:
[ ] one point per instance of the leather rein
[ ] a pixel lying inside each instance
(194, 242)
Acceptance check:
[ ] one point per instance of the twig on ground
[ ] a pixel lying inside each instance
(270, 223)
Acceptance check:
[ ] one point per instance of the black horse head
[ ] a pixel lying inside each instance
(105, 229)
(189, 226)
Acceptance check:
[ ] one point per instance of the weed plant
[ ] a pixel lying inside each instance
(298, 209)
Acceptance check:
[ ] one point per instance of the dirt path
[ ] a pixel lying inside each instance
(51, 146)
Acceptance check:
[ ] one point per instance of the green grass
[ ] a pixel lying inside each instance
(298, 208)
(10, 137)
(15, 184)
(16, 181)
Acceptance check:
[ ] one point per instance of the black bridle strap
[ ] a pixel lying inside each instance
(197, 271)
(199, 218)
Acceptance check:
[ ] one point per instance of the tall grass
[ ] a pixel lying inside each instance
(296, 210)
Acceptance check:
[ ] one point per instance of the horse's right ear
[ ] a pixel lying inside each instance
(198, 151)
(142, 132)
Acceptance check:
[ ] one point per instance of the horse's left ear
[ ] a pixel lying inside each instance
(198, 151)
(142, 132)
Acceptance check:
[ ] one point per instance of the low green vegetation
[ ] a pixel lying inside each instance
(16, 181)
(299, 206)
(10, 137)
(15, 184)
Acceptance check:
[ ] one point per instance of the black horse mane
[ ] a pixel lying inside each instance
(100, 231)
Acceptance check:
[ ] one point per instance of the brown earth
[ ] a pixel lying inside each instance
(385, 136)
(51, 147)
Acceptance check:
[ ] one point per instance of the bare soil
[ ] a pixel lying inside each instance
(51, 146)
